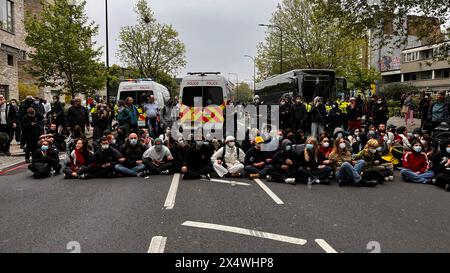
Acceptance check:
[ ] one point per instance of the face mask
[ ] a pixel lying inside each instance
(288, 148)
(231, 145)
(389, 142)
(380, 102)
(113, 141)
(342, 146)
(448, 150)
(36, 102)
(105, 147)
(357, 133)
(133, 141)
(373, 151)
(417, 149)
(386, 138)
(416, 135)
(44, 148)
(326, 144)
(310, 147)
(380, 149)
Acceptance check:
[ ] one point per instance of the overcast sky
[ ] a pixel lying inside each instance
(217, 33)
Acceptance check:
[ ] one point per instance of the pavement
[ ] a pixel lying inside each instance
(166, 214)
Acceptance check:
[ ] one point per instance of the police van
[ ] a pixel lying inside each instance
(139, 88)
(203, 99)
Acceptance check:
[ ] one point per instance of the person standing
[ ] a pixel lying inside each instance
(78, 115)
(354, 115)
(16, 131)
(100, 120)
(58, 112)
(151, 110)
(318, 117)
(32, 125)
(7, 122)
(133, 114)
(439, 111)
(408, 110)
(379, 113)
(298, 115)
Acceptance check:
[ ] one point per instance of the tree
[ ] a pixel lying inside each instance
(359, 16)
(153, 48)
(64, 54)
(243, 93)
(396, 90)
(27, 90)
(308, 41)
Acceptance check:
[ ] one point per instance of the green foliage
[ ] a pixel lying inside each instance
(362, 78)
(151, 47)
(65, 56)
(242, 93)
(27, 90)
(396, 90)
(308, 41)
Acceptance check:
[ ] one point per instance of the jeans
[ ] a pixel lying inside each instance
(423, 178)
(316, 129)
(133, 172)
(350, 173)
(253, 170)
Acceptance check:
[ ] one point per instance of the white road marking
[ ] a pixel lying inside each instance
(157, 244)
(325, 246)
(170, 200)
(248, 232)
(269, 192)
(226, 182)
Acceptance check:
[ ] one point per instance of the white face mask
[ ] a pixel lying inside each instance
(342, 146)
(380, 149)
(448, 150)
(231, 145)
(326, 144)
(373, 151)
(105, 147)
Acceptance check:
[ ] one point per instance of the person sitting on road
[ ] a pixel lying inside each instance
(372, 161)
(104, 160)
(197, 163)
(357, 140)
(441, 166)
(426, 141)
(179, 151)
(79, 160)
(45, 161)
(347, 170)
(416, 166)
(325, 146)
(313, 165)
(229, 159)
(59, 140)
(131, 164)
(285, 163)
(258, 162)
(112, 142)
(157, 159)
(403, 134)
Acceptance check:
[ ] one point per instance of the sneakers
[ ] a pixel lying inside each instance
(83, 177)
(254, 176)
(166, 172)
(391, 178)
(316, 181)
(206, 176)
(143, 174)
(290, 181)
(269, 178)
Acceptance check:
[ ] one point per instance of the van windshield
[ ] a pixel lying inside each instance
(211, 95)
(139, 97)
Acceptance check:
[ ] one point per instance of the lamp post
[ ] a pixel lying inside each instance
(108, 93)
(237, 83)
(254, 71)
(281, 43)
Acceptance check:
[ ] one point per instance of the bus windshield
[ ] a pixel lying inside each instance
(137, 96)
(210, 95)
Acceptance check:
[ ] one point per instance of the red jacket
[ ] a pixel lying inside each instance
(416, 162)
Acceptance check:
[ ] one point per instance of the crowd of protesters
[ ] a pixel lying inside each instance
(318, 142)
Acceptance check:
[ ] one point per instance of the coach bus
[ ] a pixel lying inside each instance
(306, 83)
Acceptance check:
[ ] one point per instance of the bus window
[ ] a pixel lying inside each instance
(135, 95)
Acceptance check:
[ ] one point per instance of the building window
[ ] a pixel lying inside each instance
(4, 91)
(442, 74)
(7, 15)
(411, 57)
(10, 60)
(410, 77)
(425, 75)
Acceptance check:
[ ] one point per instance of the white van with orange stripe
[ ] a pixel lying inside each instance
(211, 92)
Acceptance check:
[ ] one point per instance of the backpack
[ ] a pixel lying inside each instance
(223, 154)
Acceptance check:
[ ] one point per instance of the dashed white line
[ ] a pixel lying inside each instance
(269, 192)
(325, 246)
(248, 232)
(171, 196)
(226, 182)
(157, 244)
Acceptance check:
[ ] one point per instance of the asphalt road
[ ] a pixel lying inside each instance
(124, 215)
